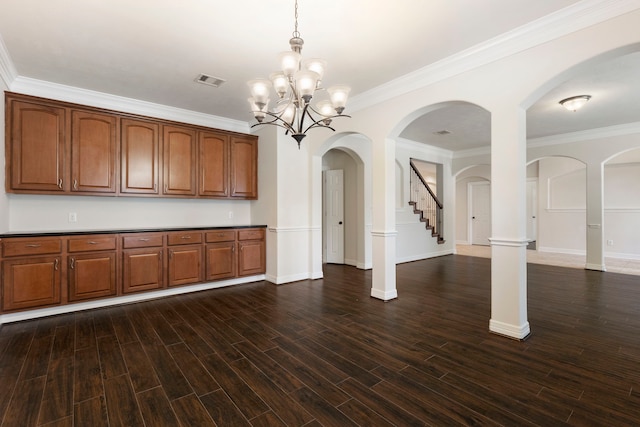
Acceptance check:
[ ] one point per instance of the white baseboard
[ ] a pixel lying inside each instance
(418, 257)
(126, 299)
(518, 332)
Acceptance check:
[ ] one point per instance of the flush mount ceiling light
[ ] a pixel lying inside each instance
(296, 85)
(575, 103)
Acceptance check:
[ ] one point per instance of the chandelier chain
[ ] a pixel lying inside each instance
(295, 31)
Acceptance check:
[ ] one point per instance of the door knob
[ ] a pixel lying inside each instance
(340, 223)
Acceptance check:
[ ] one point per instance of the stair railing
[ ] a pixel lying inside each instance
(425, 200)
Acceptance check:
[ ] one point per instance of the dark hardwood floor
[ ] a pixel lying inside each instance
(323, 353)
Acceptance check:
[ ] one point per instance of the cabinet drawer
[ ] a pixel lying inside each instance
(21, 247)
(251, 234)
(141, 241)
(183, 238)
(220, 236)
(92, 243)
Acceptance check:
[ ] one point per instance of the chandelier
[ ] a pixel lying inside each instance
(296, 85)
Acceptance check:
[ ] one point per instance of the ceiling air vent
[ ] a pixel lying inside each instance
(209, 80)
(442, 132)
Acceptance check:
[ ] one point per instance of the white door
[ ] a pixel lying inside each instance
(334, 215)
(480, 212)
(532, 209)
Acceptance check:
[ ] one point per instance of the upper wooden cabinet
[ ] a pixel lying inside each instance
(179, 161)
(35, 153)
(214, 164)
(93, 152)
(244, 167)
(54, 147)
(139, 156)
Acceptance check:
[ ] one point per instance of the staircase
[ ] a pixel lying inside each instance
(425, 203)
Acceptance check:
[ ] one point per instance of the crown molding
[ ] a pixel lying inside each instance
(565, 21)
(585, 135)
(8, 72)
(76, 95)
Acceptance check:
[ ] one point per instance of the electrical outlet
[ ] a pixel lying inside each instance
(609, 242)
(230, 214)
(73, 217)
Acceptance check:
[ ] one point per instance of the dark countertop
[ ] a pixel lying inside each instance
(122, 231)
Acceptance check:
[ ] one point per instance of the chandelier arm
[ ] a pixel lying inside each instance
(277, 121)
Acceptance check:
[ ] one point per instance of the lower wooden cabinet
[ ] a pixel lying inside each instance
(92, 275)
(30, 282)
(221, 260)
(40, 271)
(142, 270)
(185, 265)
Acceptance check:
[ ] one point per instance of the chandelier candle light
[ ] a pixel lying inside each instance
(296, 85)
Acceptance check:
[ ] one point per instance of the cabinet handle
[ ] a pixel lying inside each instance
(73, 263)
(233, 249)
(91, 242)
(170, 254)
(142, 239)
(166, 188)
(55, 264)
(60, 183)
(186, 237)
(160, 253)
(75, 184)
(33, 245)
(220, 234)
(155, 186)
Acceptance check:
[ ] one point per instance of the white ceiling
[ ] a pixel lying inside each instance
(152, 50)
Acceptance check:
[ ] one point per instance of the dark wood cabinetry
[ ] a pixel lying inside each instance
(91, 267)
(142, 262)
(251, 252)
(179, 161)
(214, 164)
(31, 272)
(54, 147)
(185, 258)
(42, 271)
(244, 167)
(140, 157)
(93, 152)
(36, 148)
(220, 254)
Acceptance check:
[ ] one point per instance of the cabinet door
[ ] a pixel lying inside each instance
(221, 260)
(185, 265)
(179, 161)
(244, 167)
(30, 282)
(93, 152)
(142, 270)
(92, 275)
(139, 157)
(251, 257)
(214, 164)
(37, 145)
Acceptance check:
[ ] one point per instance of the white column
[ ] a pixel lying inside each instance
(508, 222)
(383, 234)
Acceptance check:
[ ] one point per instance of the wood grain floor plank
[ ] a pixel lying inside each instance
(191, 412)
(122, 406)
(198, 377)
(25, 404)
(57, 401)
(111, 359)
(156, 409)
(91, 412)
(142, 375)
(222, 409)
(87, 383)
